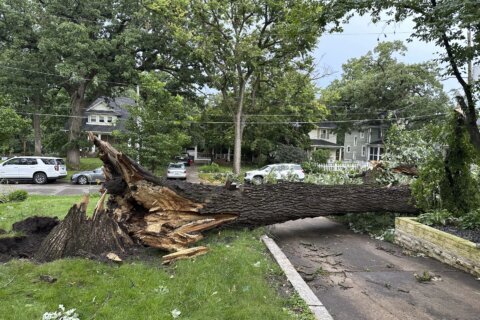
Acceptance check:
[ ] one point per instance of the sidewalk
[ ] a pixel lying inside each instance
(357, 277)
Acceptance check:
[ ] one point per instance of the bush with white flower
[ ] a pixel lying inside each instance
(61, 314)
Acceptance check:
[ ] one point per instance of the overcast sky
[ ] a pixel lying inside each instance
(360, 35)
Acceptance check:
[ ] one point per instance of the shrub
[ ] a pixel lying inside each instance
(436, 218)
(17, 196)
(320, 156)
(210, 168)
(311, 167)
(289, 154)
(470, 221)
(378, 225)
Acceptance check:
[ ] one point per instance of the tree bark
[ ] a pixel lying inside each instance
(171, 215)
(37, 134)
(75, 128)
(78, 235)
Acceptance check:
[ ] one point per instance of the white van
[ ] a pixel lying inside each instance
(39, 169)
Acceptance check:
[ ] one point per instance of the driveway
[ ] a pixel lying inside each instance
(57, 188)
(357, 277)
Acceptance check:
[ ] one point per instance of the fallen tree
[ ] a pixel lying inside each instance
(170, 215)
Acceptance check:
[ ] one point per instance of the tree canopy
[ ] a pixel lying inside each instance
(238, 42)
(379, 86)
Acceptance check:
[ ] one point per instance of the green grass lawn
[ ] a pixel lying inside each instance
(48, 206)
(235, 280)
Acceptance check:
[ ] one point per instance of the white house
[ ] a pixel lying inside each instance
(324, 137)
(106, 115)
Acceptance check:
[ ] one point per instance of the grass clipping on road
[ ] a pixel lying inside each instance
(237, 279)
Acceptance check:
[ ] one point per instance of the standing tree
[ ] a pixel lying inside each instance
(237, 42)
(451, 25)
(11, 126)
(157, 128)
(85, 49)
(377, 85)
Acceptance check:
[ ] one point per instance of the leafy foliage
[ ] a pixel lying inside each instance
(448, 182)
(379, 225)
(210, 168)
(157, 128)
(11, 127)
(289, 154)
(445, 23)
(239, 44)
(377, 85)
(17, 196)
(320, 156)
(436, 218)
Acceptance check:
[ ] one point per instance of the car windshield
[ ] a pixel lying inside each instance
(176, 166)
(265, 168)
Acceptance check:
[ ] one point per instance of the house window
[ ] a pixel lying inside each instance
(364, 151)
(324, 134)
(109, 119)
(101, 119)
(375, 153)
(93, 118)
(355, 141)
(362, 134)
(349, 149)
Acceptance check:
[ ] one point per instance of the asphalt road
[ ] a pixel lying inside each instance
(57, 188)
(360, 278)
(63, 187)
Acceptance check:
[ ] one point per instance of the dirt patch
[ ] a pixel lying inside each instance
(26, 237)
(470, 235)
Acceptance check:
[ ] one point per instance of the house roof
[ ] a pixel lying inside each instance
(117, 105)
(118, 108)
(324, 144)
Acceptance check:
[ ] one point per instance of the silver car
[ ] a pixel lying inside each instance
(93, 176)
(176, 171)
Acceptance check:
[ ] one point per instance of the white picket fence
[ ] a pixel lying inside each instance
(345, 166)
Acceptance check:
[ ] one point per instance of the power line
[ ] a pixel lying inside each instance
(260, 122)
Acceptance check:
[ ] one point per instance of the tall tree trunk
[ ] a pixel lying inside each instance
(237, 146)
(37, 134)
(77, 105)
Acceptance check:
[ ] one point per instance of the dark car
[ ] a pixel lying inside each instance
(89, 177)
(186, 159)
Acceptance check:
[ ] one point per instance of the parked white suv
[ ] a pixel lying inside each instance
(279, 171)
(39, 169)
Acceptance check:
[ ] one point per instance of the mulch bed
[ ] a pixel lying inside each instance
(471, 235)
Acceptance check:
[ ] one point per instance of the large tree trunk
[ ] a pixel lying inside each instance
(37, 134)
(171, 215)
(77, 104)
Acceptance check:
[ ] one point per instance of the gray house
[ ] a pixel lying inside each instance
(324, 137)
(365, 143)
(106, 115)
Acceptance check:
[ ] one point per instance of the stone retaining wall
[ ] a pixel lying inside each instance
(450, 249)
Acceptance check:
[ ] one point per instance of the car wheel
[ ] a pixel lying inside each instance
(40, 178)
(257, 180)
(82, 180)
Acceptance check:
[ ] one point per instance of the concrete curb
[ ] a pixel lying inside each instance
(303, 290)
